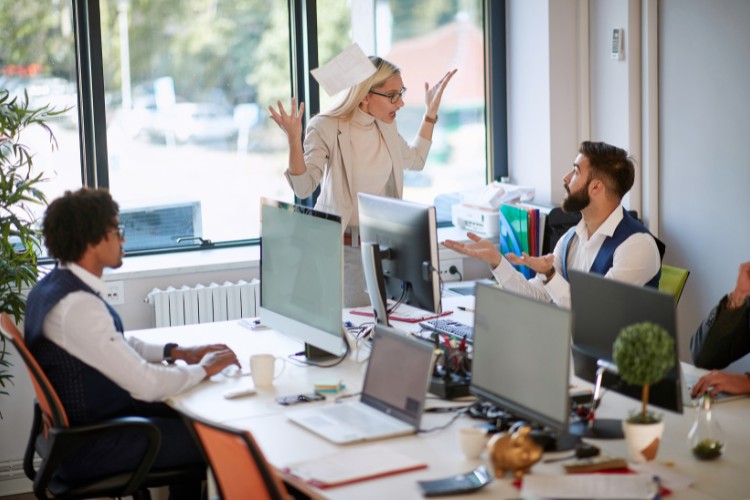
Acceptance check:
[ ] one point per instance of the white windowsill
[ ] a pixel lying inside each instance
(219, 259)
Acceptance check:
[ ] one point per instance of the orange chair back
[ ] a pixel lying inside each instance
(53, 412)
(240, 469)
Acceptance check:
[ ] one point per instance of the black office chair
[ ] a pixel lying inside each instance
(55, 441)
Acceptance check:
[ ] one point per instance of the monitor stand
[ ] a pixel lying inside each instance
(312, 353)
(552, 441)
(603, 428)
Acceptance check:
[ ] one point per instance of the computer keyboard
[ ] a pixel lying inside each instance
(450, 327)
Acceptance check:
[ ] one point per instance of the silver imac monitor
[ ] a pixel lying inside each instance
(521, 361)
(405, 257)
(301, 275)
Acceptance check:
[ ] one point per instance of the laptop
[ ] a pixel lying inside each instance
(393, 396)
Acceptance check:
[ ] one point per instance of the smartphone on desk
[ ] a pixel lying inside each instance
(300, 398)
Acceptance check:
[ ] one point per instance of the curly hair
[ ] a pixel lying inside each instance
(77, 219)
(611, 165)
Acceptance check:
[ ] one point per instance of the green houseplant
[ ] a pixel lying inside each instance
(19, 193)
(644, 354)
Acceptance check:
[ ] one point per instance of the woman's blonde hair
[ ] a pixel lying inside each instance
(349, 103)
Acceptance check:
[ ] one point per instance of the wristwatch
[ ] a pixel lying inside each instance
(168, 350)
(548, 275)
(429, 119)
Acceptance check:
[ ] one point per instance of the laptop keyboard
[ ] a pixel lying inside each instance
(357, 417)
(450, 327)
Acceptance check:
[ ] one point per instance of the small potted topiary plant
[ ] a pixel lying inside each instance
(644, 354)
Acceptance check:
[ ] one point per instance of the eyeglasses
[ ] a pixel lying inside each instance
(394, 97)
(120, 230)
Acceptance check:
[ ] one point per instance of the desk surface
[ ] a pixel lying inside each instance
(285, 443)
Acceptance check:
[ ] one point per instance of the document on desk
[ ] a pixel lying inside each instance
(600, 486)
(353, 465)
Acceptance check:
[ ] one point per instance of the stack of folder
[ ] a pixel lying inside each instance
(522, 230)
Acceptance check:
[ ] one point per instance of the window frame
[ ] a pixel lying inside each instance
(304, 56)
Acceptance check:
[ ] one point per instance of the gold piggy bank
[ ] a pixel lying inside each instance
(515, 452)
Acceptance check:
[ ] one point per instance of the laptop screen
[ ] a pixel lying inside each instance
(398, 374)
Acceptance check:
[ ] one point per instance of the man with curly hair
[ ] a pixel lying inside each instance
(77, 338)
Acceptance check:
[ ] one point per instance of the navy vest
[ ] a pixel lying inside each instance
(627, 227)
(87, 394)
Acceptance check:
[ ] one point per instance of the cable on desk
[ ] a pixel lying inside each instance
(339, 360)
(461, 411)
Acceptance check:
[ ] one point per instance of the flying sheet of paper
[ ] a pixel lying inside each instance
(348, 68)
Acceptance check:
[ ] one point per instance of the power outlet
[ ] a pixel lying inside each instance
(454, 265)
(115, 292)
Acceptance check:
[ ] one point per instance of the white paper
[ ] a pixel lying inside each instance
(348, 68)
(600, 486)
(670, 478)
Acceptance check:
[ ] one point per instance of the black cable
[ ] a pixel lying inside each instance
(454, 270)
(462, 411)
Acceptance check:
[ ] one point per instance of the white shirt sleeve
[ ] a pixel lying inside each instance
(509, 277)
(81, 325)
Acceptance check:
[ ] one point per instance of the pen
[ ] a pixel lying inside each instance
(467, 309)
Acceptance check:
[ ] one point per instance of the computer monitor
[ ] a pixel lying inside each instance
(521, 360)
(602, 307)
(405, 234)
(301, 275)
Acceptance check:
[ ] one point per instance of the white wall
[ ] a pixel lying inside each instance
(702, 109)
(704, 132)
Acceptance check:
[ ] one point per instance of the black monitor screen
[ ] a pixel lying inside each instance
(301, 255)
(406, 235)
(601, 308)
(521, 356)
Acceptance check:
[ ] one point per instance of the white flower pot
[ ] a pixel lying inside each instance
(642, 440)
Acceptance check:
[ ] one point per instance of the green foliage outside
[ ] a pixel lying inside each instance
(19, 234)
(644, 354)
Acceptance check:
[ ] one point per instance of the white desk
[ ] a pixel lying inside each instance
(284, 443)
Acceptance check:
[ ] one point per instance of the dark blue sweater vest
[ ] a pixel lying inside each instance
(87, 394)
(627, 227)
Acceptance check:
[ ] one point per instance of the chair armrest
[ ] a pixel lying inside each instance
(62, 443)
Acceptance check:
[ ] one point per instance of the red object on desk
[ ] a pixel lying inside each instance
(405, 319)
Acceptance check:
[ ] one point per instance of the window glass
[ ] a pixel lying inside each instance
(425, 39)
(37, 57)
(191, 149)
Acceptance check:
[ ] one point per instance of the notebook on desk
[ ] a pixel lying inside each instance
(393, 395)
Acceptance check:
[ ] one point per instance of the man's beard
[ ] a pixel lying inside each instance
(575, 202)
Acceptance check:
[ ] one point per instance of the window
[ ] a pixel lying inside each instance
(184, 86)
(37, 56)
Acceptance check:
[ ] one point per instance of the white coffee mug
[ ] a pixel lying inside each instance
(473, 441)
(263, 369)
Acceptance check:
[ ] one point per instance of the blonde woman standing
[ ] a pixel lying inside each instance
(355, 147)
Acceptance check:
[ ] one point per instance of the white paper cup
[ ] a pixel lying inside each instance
(263, 369)
(473, 441)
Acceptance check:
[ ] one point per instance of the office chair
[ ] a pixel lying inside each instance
(239, 467)
(54, 440)
(673, 280)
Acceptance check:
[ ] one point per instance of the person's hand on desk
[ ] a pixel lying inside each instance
(479, 248)
(717, 381)
(215, 361)
(194, 354)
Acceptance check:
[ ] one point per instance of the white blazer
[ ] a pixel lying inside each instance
(328, 158)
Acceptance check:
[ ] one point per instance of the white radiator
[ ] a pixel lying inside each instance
(205, 304)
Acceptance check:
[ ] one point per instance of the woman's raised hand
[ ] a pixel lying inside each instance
(432, 95)
(290, 123)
